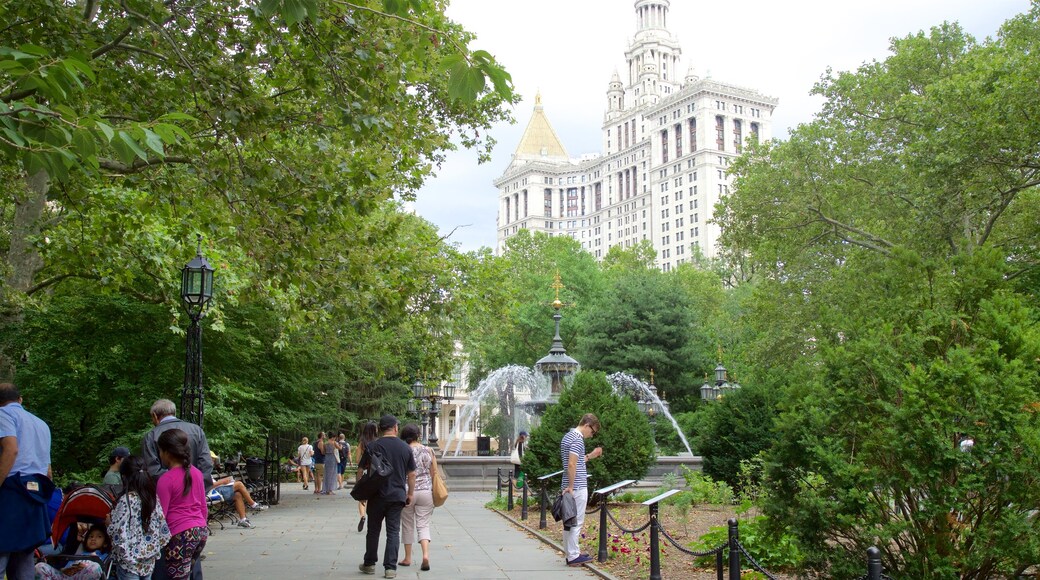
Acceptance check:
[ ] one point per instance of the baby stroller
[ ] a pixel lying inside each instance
(89, 505)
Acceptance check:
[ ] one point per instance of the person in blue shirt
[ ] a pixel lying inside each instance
(25, 473)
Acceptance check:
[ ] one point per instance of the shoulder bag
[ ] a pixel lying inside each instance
(440, 489)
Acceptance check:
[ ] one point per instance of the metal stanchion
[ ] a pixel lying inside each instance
(523, 505)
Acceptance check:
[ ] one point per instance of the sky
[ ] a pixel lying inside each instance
(568, 50)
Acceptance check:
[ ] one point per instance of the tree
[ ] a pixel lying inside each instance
(628, 450)
(640, 323)
(518, 329)
(733, 429)
(127, 128)
(892, 265)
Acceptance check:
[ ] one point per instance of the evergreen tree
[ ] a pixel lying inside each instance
(628, 449)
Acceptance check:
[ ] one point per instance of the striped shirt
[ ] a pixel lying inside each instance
(574, 443)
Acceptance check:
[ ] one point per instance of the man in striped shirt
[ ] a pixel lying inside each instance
(575, 482)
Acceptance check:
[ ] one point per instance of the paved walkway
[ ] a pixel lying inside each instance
(309, 536)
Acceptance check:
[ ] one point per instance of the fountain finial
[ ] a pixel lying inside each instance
(557, 285)
(651, 375)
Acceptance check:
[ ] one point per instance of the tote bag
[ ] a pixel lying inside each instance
(440, 489)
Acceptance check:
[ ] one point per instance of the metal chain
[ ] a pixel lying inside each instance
(688, 551)
(754, 564)
(623, 528)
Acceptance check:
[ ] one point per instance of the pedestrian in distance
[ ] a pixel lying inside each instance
(319, 462)
(328, 483)
(114, 460)
(25, 484)
(397, 492)
(368, 435)
(575, 482)
(415, 518)
(306, 454)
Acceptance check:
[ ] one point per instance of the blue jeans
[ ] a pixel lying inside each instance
(379, 510)
(122, 574)
(19, 565)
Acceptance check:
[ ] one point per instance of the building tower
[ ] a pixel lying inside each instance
(667, 143)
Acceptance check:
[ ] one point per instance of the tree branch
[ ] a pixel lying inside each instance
(875, 243)
(139, 165)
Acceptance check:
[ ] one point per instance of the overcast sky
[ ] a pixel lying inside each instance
(568, 50)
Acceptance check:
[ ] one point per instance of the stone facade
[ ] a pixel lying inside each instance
(667, 145)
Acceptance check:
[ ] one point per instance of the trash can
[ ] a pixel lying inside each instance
(483, 446)
(254, 468)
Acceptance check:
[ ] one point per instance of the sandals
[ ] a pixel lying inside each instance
(425, 564)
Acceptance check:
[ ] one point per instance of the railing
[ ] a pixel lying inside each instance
(543, 485)
(604, 495)
(728, 555)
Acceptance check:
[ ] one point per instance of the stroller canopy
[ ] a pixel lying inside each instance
(89, 502)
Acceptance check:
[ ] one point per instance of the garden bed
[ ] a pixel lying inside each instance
(628, 554)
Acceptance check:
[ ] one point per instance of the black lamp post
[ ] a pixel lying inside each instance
(427, 401)
(196, 292)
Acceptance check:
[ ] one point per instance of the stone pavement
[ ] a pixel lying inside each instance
(310, 536)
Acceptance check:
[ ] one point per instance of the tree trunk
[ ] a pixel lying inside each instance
(23, 261)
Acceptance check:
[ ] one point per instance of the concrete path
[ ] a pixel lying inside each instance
(309, 536)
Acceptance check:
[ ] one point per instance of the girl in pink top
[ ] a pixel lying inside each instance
(182, 496)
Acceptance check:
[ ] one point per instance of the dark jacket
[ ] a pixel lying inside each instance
(200, 456)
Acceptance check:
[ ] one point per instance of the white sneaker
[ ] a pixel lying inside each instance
(258, 506)
(245, 523)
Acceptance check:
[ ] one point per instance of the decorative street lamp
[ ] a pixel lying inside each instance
(426, 401)
(649, 404)
(721, 388)
(196, 292)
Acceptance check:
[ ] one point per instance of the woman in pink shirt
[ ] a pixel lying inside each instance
(182, 496)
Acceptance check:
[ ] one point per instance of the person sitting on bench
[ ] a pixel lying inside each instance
(235, 491)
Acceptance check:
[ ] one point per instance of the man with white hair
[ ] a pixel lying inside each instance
(164, 417)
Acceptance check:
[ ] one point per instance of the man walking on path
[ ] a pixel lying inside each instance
(164, 418)
(391, 499)
(575, 482)
(25, 484)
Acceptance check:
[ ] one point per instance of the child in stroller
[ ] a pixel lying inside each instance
(83, 558)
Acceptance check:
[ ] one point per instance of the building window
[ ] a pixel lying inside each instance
(678, 141)
(754, 131)
(664, 146)
(720, 133)
(737, 134)
(548, 203)
(693, 135)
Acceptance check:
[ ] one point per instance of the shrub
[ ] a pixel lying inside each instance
(771, 551)
(628, 449)
(703, 489)
(734, 429)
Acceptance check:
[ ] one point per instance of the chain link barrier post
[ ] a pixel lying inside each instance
(655, 550)
(873, 563)
(523, 504)
(734, 551)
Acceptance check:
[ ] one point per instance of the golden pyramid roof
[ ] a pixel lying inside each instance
(539, 138)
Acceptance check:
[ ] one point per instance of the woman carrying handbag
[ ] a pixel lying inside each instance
(415, 518)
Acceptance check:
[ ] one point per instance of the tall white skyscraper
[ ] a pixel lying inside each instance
(667, 142)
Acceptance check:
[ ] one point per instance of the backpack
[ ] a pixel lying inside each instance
(371, 482)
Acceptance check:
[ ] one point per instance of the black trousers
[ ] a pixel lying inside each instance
(378, 511)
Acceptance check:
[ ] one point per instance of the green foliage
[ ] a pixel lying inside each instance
(624, 435)
(637, 325)
(702, 489)
(734, 429)
(894, 310)
(633, 496)
(773, 552)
